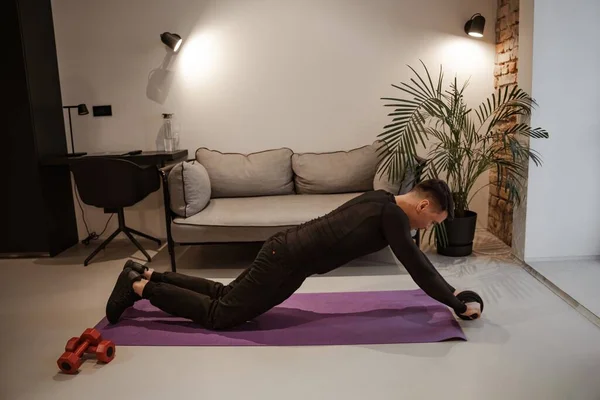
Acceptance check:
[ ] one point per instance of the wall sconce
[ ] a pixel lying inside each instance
(172, 40)
(474, 26)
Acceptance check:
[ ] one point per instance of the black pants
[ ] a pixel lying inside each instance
(270, 280)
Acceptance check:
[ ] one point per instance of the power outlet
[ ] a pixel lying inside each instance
(102, 111)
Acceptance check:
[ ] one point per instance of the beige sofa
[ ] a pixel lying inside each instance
(232, 197)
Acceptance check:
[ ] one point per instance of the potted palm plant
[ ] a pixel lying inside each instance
(461, 143)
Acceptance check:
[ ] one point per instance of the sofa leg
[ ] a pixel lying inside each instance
(171, 247)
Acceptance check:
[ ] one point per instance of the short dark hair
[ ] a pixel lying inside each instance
(439, 191)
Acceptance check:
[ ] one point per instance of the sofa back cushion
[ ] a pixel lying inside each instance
(189, 188)
(406, 175)
(264, 173)
(335, 172)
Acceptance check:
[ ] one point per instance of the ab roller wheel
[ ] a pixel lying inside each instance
(469, 296)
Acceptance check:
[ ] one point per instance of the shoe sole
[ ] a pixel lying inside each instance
(140, 269)
(131, 277)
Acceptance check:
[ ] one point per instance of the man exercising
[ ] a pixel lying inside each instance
(363, 225)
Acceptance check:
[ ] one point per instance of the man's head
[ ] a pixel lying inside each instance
(429, 202)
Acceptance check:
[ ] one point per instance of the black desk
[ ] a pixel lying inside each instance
(60, 166)
(159, 158)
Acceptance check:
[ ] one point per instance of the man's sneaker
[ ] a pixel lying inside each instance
(137, 267)
(122, 296)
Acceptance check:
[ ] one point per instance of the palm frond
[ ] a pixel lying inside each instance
(462, 147)
(526, 130)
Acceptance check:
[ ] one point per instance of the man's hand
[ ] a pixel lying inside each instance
(473, 310)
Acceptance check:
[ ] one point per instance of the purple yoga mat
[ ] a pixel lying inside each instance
(408, 316)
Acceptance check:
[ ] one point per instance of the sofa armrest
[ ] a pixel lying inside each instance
(164, 174)
(421, 163)
(412, 175)
(187, 191)
(420, 167)
(164, 171)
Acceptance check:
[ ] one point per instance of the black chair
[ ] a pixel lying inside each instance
(113, 184)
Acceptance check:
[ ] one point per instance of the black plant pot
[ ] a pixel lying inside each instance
(461, 233)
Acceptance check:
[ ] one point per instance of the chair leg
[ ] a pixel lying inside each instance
(102, 245)
(138, 245)
(145, 236)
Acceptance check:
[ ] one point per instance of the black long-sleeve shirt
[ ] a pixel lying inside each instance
(363, 225)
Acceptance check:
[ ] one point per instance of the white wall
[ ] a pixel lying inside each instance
(254, 74)
(563, 217)
(519, 225)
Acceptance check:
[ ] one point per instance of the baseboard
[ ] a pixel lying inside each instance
(25, 255)
(568, 258)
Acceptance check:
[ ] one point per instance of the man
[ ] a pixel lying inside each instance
(363, 225)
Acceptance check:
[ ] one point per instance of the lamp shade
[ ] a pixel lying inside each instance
(82, 109)
(172, 40)
(474, 27)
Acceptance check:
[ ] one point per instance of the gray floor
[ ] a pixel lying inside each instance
(530, 344)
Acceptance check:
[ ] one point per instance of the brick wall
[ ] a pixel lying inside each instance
(505, 74)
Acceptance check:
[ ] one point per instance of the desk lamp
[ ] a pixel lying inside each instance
(81, 110)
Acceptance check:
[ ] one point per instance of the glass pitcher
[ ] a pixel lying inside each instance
(171, 132)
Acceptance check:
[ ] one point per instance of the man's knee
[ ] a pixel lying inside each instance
(222, 290)
(224, 317)
(222, 323)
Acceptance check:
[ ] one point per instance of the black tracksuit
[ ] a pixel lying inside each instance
(361, 226)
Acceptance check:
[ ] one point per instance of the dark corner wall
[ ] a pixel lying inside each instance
(38, 216)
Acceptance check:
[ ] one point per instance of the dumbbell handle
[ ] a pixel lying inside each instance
(91, 349)
(82, 348)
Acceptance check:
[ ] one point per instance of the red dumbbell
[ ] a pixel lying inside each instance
(72, 344)
(104, 352)
(89, 342)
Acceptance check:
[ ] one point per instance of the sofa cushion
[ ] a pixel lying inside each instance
(335, 172)
(189, 188)
(252, 218)
(263, 173)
